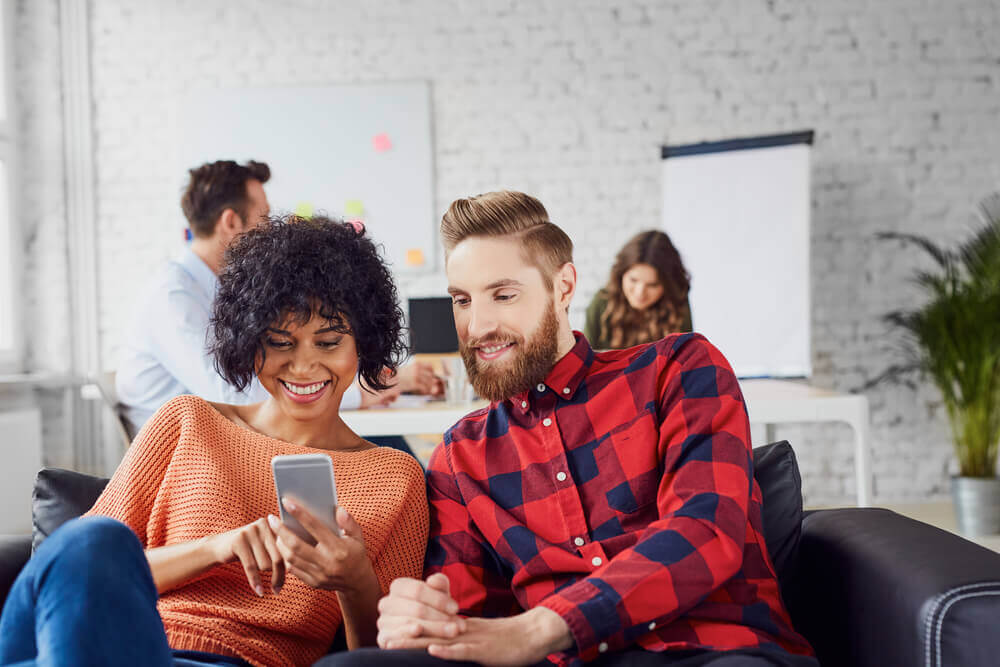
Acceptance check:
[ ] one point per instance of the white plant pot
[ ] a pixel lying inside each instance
(977, 504)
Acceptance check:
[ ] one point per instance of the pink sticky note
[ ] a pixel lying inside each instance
(382, 142)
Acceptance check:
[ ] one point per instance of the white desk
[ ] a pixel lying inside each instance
(781, 401)
(434, 417)
(768, 402)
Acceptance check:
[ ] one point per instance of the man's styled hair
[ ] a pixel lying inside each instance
(509, 213)
(215, 186)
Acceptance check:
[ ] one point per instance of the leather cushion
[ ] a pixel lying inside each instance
(777, 473)
(60, 495)
(14, 553)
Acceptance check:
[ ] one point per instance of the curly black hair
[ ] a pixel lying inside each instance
(289, 268)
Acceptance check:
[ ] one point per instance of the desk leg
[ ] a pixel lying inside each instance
(758, 434)
(862, 456)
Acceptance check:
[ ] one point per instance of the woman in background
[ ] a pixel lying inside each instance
(646, 297)
(182, 560)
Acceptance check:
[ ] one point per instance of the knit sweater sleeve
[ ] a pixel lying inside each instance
(403, 552)
(131, 494)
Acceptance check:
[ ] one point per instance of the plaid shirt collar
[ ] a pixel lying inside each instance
(565, 377)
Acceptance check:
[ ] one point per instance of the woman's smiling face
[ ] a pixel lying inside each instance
(307, 367)
(641, 286)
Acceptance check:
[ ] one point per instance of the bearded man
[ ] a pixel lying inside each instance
(603, 507)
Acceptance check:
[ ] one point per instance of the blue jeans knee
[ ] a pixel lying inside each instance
(91, 540)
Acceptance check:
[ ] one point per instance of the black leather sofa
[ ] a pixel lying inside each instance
(867, 587)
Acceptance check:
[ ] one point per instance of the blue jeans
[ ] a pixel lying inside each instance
(87, 598)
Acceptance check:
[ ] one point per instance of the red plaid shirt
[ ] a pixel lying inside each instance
(619, 494)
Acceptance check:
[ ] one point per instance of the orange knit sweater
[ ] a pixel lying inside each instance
(192, 472)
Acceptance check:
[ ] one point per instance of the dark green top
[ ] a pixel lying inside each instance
(592, 327)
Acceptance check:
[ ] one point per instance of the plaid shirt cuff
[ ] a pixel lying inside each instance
(582, 619)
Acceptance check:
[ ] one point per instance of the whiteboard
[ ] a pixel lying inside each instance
(358, 151)
(738, 213)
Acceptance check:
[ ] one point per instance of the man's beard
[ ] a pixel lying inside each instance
(533, 359)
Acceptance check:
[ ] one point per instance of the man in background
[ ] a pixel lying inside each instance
(165, 353)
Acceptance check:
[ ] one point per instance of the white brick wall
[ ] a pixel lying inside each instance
(571, 101)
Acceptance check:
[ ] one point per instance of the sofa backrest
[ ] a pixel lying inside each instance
(777, 474)
(61, 495)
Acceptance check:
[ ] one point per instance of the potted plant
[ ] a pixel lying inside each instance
(954, 338)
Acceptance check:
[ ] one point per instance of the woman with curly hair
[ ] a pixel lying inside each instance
(182, 559)
(646, 296)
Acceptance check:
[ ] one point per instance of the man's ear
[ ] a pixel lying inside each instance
(565, 285)
(229, 224)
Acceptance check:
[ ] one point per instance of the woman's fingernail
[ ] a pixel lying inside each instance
(273, 522)
(289, 505)
(259, 589)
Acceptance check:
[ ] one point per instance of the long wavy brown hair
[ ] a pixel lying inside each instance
(624, 326)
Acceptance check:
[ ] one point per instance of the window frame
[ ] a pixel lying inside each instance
(11, 302)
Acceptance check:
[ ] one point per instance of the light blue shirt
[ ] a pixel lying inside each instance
(165, 353)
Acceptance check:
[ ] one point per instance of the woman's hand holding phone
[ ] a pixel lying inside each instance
(312, 549)
(336, 562)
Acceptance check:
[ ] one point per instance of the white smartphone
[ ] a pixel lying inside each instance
(309, 478)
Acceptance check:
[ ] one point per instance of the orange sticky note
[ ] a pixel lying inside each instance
(415, 257)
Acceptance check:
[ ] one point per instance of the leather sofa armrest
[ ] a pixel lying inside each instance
(15, 550)
(876, 588)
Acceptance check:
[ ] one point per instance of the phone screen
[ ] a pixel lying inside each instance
(309, 479)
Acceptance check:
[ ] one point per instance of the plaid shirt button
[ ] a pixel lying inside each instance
(652, 625)
(565, 390)
(579, 542)
(596, 560)
(546, 422)
(603, 647)
(561, 476)
(524, 404)
(540, 387)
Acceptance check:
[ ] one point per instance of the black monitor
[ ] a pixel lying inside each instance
(432, 326)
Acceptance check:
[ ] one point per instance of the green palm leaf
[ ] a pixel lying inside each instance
(954, 337)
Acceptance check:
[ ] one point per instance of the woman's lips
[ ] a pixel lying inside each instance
(304, 398)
